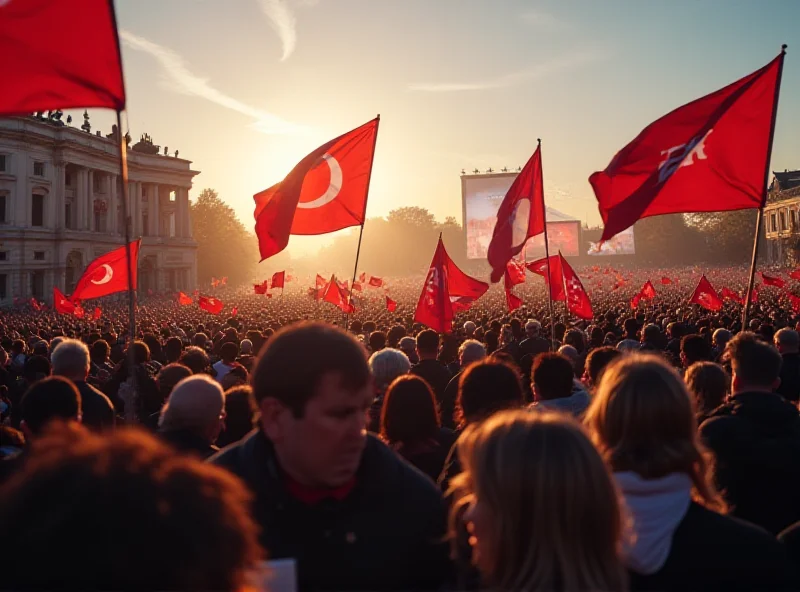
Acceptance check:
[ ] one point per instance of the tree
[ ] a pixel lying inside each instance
(224, 247)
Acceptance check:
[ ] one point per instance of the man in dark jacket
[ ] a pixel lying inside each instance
(788, 343)
(756, 439)
(534, 343)
(71, 360)
(429, 368)
(348, 510)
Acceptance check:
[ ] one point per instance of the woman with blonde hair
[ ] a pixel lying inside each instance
(642, 420)
(540, 505)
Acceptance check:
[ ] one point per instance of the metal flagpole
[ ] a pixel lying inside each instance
(363, 218)
(547, 259)
(746, 307)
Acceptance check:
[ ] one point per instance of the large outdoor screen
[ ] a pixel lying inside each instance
(483, 194)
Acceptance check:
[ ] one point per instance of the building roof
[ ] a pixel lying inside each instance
(554, 215)
(787, 180)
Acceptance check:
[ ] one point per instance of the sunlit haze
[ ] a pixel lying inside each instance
(246, 88)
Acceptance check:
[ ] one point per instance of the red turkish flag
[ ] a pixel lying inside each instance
(578, 302)
(375, 282)
(61, 304)
(278, 279)
(512, 300)
(556, 278)
(464, 290)
(79, 312)
(337, 297)
(55, 58)
(391, 305)
(261, 288)
(108, 274)
(210, 304)
(635, 301)
(97, 314)
(772, 281)
(357, 286)
(707, 156)
(648, 291)
(706, 296)
(325, 192)
(520, 216)
(183, 299)
(665, 281)
(728, 294)
(362, 278)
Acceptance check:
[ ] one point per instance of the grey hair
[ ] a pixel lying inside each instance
(386, 365)
(787, 338)
(470, 351)
(54, 343)
(70, 358)
(533, 325)
(195, 403)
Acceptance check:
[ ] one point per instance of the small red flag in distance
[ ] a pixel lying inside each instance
(210, 304)
(706, 296)
(183, 299)
(772, 281)
(391, 305)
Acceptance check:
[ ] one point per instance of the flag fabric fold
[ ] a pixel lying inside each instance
(578, 302)
(61, 303)
(665, 281)
(183, 299)
(556, 278)
(706, 296)
(772, 281)
(210, 304)
(709, 155)
(108, 274)
(391, 305)
(278, 279)
(261, 288)
(336, 296)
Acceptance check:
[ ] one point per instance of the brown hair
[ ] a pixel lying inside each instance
(409, 412)
(642, 419)
(176, 523)
(553, 503)
(708, 383)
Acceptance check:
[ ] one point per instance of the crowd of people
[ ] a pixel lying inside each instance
(294, 447)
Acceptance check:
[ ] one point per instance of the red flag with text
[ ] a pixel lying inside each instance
(278, 279)
(556, 278)
(210, 304)
(707, 156)
(183, 299)
(55, 58)
(391, 305)
(108, 274)
(521, 216)
(578, 302)
(61, 304)
(325, 192)
(706, 296)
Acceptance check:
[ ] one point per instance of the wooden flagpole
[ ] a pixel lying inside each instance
(759, 218)
(547, 259)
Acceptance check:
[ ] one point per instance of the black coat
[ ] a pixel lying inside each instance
(429, 458)
(756, 440)
(436, 375)
(387, 534)
(188, 442)
(715, 552)
(96, 407)
(789, 388)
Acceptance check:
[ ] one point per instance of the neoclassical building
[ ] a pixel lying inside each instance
(60, 207)
(782, 219)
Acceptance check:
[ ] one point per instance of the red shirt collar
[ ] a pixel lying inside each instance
(312, 495)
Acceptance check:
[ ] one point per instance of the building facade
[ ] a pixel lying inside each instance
(782, 219)
(61, 207)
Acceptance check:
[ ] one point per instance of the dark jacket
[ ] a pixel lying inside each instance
(715, 552)
(756, 440)
(96, 407)
(447, 406)
(789, 388)
(387, 534)
(188, 442)
(534, 346)
(429, 457)
(435, 374)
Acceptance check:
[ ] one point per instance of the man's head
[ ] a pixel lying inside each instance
(694, 348)
(195, 405)
(100, 350)
(386, 365)
(53, 398)
(755, 365)
(787, 341)
(195, 359)
(169, 376)
(408, 345)
(246, 347)
(469, 329)
(313, 388)
(377, 341)
(485, 387)
(471, 351)
(596, 363)
(631, 327)
(721, 338)
(70, 359)
(229, 352)
(173, 349)
(428, 344)
(532, 329)
(552, 377)
(651, 334)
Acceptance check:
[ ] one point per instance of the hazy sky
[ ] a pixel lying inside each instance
(246, 88)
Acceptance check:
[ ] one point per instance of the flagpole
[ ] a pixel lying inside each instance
(123, 166)
(746, 308)
(547, 259)
(363, 219)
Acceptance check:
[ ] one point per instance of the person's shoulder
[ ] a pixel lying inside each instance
(236, 456)
(396, 477)
(727, 530)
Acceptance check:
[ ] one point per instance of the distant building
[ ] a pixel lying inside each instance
(60, 207)
(782, 219)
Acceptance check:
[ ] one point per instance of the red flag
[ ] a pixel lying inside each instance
(795, 302)
(183, 299)
(214, 282)
(224, 281)
(97, 314)
(362, 278)
(235, 311)
(262, 288)
(335, 296)
(648, 291)
(709, 155)
(210, 304)
(515, 272)
(79, 312)
(375, 282)
(391, 305)
(635, 301)
(61, 304)
(772, 281)
(313, 292)
(512, 300)
(278, 279)
(795, 275)
(357, 286)
(325, 192)
(108, 274)
(706, 296)
(556, 275)
(577, 299)
(48, 65)
(665, 281)
(728, 294)
(521, 216)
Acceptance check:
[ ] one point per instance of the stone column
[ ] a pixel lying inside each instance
(112, 204)
(133, 203)
(80, 200)
(90, 200)
(60, 195)
(155, 210)
(181, 213)
(189, 233)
